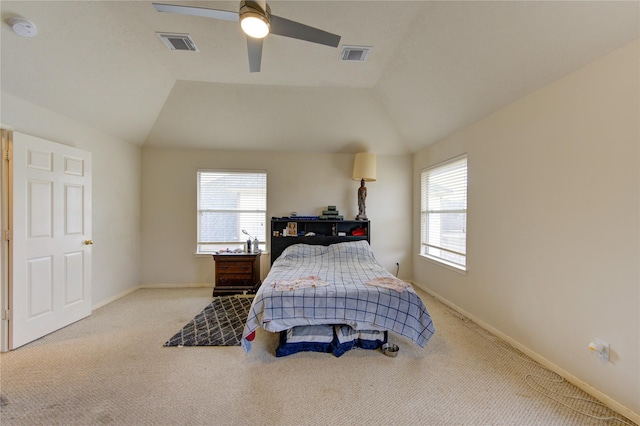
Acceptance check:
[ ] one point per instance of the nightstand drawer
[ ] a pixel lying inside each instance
(235, 267)
(235, 279)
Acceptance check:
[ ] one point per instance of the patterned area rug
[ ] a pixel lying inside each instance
(219, 324)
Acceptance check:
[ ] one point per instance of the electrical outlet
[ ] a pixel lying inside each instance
(605, 350)
(601, 348)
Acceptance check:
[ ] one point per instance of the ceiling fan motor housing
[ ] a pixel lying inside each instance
(254, 6)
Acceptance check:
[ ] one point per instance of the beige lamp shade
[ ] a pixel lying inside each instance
(364, 167)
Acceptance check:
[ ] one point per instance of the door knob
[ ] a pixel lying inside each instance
(88, 242)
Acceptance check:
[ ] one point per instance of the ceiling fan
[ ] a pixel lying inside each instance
(257, 22)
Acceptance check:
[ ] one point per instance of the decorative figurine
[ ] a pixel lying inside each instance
(362, 195)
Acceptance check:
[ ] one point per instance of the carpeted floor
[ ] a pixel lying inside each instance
(111, 368)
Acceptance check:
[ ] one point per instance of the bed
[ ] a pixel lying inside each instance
(333, 298)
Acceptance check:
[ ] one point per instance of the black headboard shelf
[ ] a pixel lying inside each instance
(324, 231)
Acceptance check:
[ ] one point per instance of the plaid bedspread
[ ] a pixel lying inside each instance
(346, 300)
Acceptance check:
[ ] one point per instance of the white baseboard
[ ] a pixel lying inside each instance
(605, 399)
(172, 285)
(131, 290)
(114, 298)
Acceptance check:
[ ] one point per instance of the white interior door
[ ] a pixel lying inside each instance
(50, 283)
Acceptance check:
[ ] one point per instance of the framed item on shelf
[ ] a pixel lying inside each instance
(292, 229)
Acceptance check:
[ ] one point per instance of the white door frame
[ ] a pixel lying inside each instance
(6, 222)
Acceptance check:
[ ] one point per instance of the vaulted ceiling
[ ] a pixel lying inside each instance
(434, 67)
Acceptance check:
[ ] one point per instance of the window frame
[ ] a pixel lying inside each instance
(425, 212)
(216, 246)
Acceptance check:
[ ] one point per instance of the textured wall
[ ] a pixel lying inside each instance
(553, 223)
(304, 183)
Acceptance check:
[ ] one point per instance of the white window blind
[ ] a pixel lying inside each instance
(444, 212)
(228, 202)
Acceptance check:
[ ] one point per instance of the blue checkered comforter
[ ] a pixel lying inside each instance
(346, 300)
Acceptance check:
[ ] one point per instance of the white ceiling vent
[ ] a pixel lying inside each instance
(354, 53)
(178, 41)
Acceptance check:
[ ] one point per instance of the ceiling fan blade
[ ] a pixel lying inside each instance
(287, 28)
(198, 11)
(254, 47)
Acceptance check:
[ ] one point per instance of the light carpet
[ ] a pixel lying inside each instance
(111, 368)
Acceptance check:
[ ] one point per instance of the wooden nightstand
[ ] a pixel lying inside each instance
(236, 273)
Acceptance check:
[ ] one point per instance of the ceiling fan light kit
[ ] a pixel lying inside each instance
(254, 26)
(253, 20)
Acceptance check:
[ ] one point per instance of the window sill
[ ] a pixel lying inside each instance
(440, 262)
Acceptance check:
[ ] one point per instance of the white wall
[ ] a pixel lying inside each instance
(553, 223)
(116, 193)
(304, 183)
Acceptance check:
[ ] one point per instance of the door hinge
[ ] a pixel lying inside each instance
(7, 234)
(6, 315)
(6, 154)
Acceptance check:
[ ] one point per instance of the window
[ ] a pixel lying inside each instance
(228, 202)
(443, 225)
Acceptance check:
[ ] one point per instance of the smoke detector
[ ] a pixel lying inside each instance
(178, 41)
(355, 53)
(23, 27)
